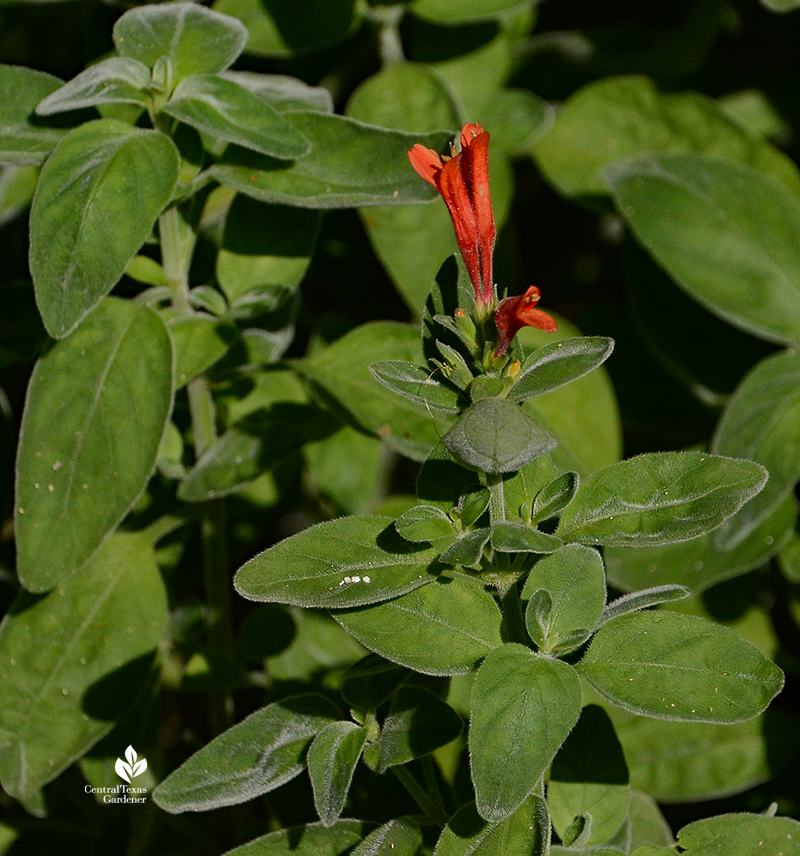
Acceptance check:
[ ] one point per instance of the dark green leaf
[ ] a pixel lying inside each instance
(417, 384)
(341, 563)
(424, 523)
(23, 139)
(761, 422)
(313, 839)
(350, 164)
(472, 503)
(262, 752)
(659, 498)
(554, 496)
(418, 722)
(117, 80)
(468, 549)
(97, 200)
(740, 835)
(443, 628)
(332, 761)
(200, 340)
(589, 775)
(398, 837)
(496, 436)
(224, 109)
(444, 12)
(196, 40)
(723, 231)
(558, 364)
(283, 92)
(671, 666)
(370, 682)
(451, 291)
(517, 119)
(72, 662)
(523, 708)
(442, 481)
(522, 488)
(85, 454)
(525, 833)
(509, 537)
(642, 600)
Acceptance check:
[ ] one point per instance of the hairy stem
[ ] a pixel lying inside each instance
(421, 798)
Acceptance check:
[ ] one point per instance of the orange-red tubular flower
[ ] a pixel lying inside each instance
(463, 181)
(514, 313)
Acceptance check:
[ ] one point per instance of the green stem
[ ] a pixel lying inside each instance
(512, 615)
(497, 503)
(432, 781)
(422, 799)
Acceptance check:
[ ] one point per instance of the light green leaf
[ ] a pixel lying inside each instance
(679, 667)
(510, 537)
(723, 231)
(277, 30)
(200, 340)
(741, 835)
(85, 454)
(468, 549)
(262, 752)
(574, 578)
(445, 12)
(554, 496)
(643, 599)
(196, 40)
(616, 118)
(117, 80)
(231, 112)
(264, 246)
(341, 372)
(350, 164)
(523, 708)
(418, 384)
(761, 422)
(21, 140)
(283, 92)
(443, 628)
(424, 523)
(525, 833)
(659, 498)
(648, 824)
(98, 197)
(340, 563)
(313, 839)
(332, 761)
(72, 662)
(398, 837)
(516, 118)
(589, 775)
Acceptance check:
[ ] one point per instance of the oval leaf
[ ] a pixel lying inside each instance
(259, 754)
(523, 708)
(340, 563)
(659, 498)
(680, 667)
(332, 761)
(740, 835)
(102, 173)
(440, 629)
(424, 523)
(21, 140)
(417, 383)
(85, 454)
(313, 839)
(117, 80)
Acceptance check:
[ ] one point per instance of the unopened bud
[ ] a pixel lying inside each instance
(513, 368)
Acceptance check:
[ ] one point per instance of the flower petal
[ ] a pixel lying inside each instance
(426, 162)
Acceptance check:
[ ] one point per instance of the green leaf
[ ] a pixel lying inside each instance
(332, 761)
(510, 537)
(589, 775)
(313, 839)
(558, 364)
(523, 708)
(231, 112)
(117, 80)
(723, 231)
(196, 40)
(617, 118)
(350, 164)
(761, 422)
(276, 30)
(418, 384)
(98, 197)
(73, 661)
(445, 12)
(23, 139)
(659, 498)
(574, 578)
(678, 762)
(252, 446)
(85, 454)
(740, 835)
(638, 600)
(495, 436)
(199, 340)
(340, 563)
(424, 523)
(554, 496)
(524, 833)
(264, 246)
(648, 824)
(262, 752)
(369, 682)
(698, 563)
(398, 837)
(468, 549)
(517, 119)
(283, 92)
(443, 628)
(418, 722)
(679, 667)
(341, 372)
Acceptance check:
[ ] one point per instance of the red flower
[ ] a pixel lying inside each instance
(514, 313)
(463, 181)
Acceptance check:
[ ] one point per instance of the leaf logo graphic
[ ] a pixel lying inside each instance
(132, 768)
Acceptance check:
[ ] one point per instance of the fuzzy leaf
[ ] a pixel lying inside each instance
(332, 761)
(117, 80)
